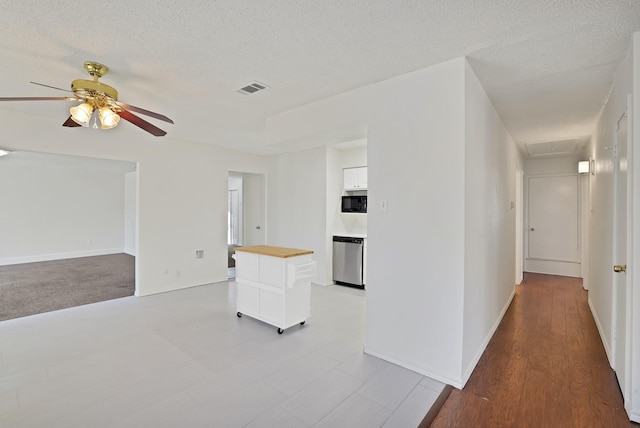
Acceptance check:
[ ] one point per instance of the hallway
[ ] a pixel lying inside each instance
(544, 367)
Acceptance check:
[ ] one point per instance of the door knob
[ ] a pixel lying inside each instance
(532, 229)
(620, 268)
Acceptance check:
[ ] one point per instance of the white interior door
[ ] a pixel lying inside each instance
(621, 297)
(553, 225)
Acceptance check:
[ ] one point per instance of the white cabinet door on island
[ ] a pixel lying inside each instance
(274, 284)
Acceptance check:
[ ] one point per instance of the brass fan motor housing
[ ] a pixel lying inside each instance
(83, 87)
(91, 88)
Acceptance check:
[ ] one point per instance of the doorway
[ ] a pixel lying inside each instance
(245, 214)
(73, 231)
(553, 227)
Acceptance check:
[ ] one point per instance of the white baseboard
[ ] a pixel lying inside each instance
(444, 379)
(552, 267)
(173, 287)
(472, 365)
(59, 256)
(603, 338)
(457, 383)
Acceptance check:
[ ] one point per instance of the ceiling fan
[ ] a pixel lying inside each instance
(101, 99)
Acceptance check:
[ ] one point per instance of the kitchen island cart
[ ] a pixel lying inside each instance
(274, 284)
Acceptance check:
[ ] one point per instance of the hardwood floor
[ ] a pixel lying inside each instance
(544, 367)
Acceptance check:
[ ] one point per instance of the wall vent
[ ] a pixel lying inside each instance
(252, 88)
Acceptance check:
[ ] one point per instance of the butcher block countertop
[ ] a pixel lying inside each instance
(269, 250)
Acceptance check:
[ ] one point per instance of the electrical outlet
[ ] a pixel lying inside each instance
(199, 254)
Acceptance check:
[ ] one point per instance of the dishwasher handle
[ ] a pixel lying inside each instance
(348, 239)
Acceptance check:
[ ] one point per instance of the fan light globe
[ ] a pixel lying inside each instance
(108, 119)
(81, 114)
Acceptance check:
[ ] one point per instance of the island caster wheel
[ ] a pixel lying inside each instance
(239, 314)
(280, 331)
(302, 323)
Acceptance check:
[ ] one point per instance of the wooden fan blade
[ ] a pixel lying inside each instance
(39, 99)
(70, 123)
(52, 87)
(141, 123)
(145, 112)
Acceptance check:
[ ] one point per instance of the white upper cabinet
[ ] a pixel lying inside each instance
(355, 178)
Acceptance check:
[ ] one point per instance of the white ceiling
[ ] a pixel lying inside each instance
(548, 65)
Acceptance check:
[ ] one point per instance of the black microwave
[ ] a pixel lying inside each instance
(354, 204)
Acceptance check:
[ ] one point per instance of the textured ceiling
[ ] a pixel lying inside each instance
(548, 65)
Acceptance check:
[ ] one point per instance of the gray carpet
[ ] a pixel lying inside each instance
(33, 288)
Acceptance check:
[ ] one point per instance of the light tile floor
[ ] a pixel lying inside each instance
(183, 359)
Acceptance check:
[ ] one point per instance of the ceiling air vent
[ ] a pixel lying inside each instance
(252, 88)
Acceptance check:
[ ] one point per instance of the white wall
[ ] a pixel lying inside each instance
(55, 207)
(335, 190)
(491, 161)
(130, 212)
(297, 204)
(182, 194)
(560, 165)
(353, 157)
(254, 209)
(416, 163)
(416, 159)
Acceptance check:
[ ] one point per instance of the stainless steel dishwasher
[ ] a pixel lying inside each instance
(348, 261)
